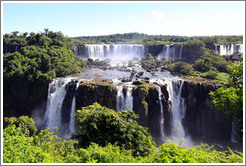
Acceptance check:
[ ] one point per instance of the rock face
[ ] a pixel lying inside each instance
(202, 119)
(67, 102)
(154, 50)
(167, 114)
(91, 92)
(146, 105)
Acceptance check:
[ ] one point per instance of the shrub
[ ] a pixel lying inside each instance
(101, 125)
(182, 68)
(149, 63)
(211, 74)
(26, 124)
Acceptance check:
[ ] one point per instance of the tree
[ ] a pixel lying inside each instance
(149, 63)
(182, 68)
(102, 125)
(15, 33)
(229, 97)
(46, 30)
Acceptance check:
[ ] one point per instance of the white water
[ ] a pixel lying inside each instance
(180, 53)
(72, 127)
(119, 98)
(124, 102)
(56, 94)
(174, 88)
(228, 49)
(115, 52)
(161, 118)
(167, 51)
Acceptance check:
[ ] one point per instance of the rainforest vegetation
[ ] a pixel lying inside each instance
(104, 136)
(32, 60)
(145, 39)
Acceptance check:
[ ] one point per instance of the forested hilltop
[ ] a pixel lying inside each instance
(145, 39)
(30, 62)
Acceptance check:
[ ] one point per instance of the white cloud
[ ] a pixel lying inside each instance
(133, 17)
(157, 15)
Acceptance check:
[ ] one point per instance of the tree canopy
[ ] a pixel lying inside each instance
(31, 62)
(229, 97)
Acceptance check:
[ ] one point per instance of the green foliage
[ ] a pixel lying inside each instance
(211, 74)
(212, 63)
(182, 68)
(39, 59)
(196, 49)
(24, 123)
(149, 63)
(172, 153)
(229, 97)
(222, 77)
(143, 91)
(156, 39)
(108, 154)
(20, 145)
(103, 126)
(45, 147)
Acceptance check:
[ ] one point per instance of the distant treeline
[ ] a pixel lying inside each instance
(153, 39)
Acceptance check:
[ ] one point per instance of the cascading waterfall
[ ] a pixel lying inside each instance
(180, 53)
(171, 52)
(124, 102)
(178, 108)
(128, 105)
(167, 51)
(177, 131)
(72, 127)
(161, 118)
(228, 49)
(119, 98)
(56, 94)
(115, 51)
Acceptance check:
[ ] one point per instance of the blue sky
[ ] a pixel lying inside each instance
(88, 19)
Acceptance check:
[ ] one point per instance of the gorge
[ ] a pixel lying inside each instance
(170, 106)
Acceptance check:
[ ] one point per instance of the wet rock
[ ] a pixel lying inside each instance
(202, 119)
(125, 79)
(136, 82)
(124, 90)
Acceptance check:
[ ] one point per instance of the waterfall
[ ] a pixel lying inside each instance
(178, 108)
(180, 53)
(161, 118)
(124, 102)
(228, 49)
(167, 51)
(216, 49)
(128, 103)
(119, 98)
(114, 51)
(178, 112)
(72, 128)
(56, 95)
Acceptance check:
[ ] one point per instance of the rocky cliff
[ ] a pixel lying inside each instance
(202, 119)
(101, 92)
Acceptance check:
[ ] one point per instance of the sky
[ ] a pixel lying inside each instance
(104, 18)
